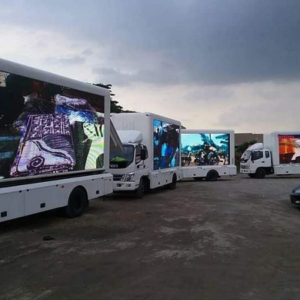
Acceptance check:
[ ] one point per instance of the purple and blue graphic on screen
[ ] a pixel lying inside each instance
(77, 110)
(46, 147)
(47, 128)
(166, 144)
(201, 149)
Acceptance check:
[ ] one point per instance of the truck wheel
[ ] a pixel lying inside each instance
(172, 185)
(77, 203)
(198, 178)
(212, 175)
(260, 173)
(140, 191)
(251, 175)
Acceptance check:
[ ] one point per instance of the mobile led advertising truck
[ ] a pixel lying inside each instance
(54, 142)
(151, 152)
(279, 154)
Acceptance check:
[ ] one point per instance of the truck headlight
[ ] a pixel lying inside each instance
(128, 177)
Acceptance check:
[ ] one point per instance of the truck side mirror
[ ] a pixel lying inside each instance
(143, 154)
(252, 160)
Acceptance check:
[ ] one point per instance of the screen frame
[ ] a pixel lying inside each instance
(214, 131)
(282, 136)
(209, 133)
(39, 75)
(169, 121)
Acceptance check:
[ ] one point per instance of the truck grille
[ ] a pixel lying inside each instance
(244, 167)
(117, 177)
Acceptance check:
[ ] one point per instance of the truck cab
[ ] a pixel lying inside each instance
(256, 161)
(129, 165)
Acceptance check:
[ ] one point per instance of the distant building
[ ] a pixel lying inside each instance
(241, 138)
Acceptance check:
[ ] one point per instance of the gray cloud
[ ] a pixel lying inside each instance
(263, 107)
(202, 42)
(158, 77)
(66, 60)
(87, 52)
(109, 75)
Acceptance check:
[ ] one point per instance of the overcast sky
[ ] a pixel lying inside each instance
(227, 64)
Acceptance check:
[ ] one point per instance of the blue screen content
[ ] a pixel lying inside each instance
(166, 144)
(202, 149)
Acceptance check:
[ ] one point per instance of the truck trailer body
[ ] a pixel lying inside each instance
(151, 153)
(279, 154)
(54, 142)
(207, 154)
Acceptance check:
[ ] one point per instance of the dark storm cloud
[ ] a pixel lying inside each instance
(205, 42)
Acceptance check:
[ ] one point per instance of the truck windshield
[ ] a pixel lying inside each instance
(246, 155)
(122, 159)
(257, 155)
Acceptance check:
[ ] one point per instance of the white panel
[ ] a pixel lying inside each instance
(108, 186)
(232, 170)
(201, 171)
(99, 188)
(161, 177)
(11, 206)
(190, 172)
(154, 181)
(38, 197)
(42, 199)
(179, 174)
(287, 169)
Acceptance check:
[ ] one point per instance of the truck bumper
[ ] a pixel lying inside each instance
(245, 171)
(122, 186)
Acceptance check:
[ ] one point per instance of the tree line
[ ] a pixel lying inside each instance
(115, 107)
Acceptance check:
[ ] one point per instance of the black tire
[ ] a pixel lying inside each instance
(140, 191)
(198, 178)
(146, 185)
(260, 173)
(212, 175)
(173, 184)
(77, 203)
(251, 175)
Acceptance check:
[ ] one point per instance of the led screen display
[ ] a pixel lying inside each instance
(166, 145)
(202, 149)
(47, 128)
(289, 149)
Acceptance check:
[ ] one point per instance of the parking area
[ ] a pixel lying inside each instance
(231, 239)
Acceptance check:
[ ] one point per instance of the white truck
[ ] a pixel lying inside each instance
(279, 154)
(207, 154)
(150, 155)
(54, 142)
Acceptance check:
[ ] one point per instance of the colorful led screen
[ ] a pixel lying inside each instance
(166, 141)
(289, 149)
(202, 149)
(47, 128)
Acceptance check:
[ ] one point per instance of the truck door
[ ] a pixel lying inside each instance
(258, 160)
(268, 158)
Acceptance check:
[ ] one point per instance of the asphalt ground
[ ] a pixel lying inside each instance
(235, 238)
